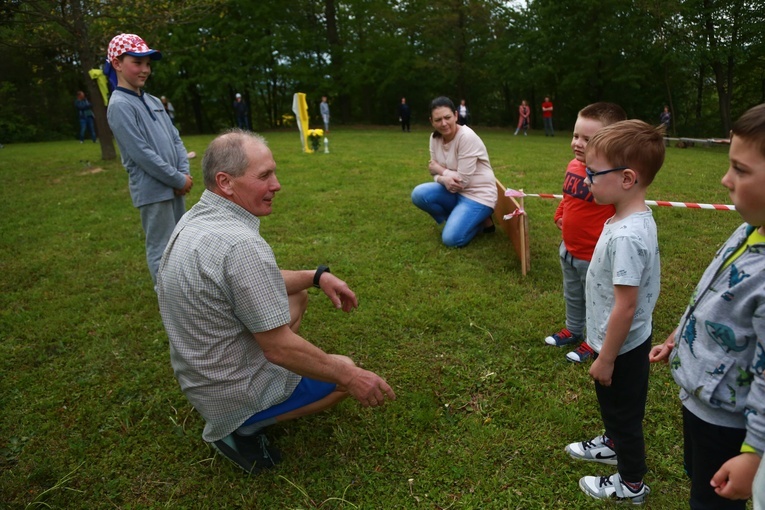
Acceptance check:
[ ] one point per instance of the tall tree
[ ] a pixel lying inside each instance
(729, 27)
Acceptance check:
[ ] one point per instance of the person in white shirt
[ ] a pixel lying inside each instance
(462, 114)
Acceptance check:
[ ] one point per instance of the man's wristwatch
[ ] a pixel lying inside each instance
(319, 271)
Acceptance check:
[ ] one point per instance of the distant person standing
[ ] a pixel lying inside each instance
(666, 118)
(547, 113)
(324, 110)
(240, 109)
(462, 113)
(404, 115)
(524, 115)
(168, 108)
(85, 113)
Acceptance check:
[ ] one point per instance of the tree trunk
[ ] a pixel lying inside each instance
(461, 50)
(723, 98)
(723, 76)
(89, 61)
(699, 98)
(673, 119)
(336, 64)
(105, 136)
(196, 101)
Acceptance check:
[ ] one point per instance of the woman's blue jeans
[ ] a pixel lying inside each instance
(464, 217)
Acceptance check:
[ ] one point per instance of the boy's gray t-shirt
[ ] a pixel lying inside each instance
(627, 253)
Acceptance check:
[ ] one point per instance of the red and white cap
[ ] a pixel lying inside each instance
(130, 44)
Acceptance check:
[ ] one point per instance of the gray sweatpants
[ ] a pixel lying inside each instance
(159, 220)
(574, 276)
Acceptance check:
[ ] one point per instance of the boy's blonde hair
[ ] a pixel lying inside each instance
(633, 144)
(605, 113)
(751, 127)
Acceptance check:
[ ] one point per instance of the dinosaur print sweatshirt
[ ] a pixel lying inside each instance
(719, 354)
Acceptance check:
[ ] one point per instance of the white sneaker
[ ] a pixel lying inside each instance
(594, 450)
(612, 487)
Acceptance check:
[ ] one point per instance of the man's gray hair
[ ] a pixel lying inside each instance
(227, 154)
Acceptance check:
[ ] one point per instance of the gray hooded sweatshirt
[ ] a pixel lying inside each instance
(719, 354)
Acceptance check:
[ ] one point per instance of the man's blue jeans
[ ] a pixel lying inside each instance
(464, 217)
(243, 122)
(548, 126)
(87, 122)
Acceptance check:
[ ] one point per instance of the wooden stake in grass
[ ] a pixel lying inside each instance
(511, 217)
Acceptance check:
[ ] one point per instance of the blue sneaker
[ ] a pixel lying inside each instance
(581, 353)
(563, 337)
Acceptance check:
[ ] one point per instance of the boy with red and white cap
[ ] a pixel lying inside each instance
(151, 149)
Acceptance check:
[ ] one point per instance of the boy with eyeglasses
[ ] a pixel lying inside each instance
(581, 222)
(621, 290)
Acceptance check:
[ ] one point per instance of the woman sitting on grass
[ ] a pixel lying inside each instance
(464, 192)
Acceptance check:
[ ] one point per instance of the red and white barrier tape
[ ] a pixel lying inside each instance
(662, 203)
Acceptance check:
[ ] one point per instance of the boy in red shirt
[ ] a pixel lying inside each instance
(581, 222)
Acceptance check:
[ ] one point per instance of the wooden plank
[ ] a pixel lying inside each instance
(516, 228)
(706, 142)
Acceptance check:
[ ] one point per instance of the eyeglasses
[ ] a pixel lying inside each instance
(591, 175)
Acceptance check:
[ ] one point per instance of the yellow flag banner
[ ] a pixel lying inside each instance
(300, 107)
(100, 77)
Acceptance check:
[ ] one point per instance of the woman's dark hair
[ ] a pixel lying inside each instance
(440, 102)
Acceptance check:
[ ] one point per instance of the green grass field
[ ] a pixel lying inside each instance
(92, 416)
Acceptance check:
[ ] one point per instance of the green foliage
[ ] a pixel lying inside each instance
(34, 88)
(702, 58)
(93, 418)
(13, 127)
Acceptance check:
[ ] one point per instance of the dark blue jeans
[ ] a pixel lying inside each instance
(243, 122)
(548, 126)
(87, 122)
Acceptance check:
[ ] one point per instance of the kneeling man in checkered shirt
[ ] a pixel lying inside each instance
(232, 316)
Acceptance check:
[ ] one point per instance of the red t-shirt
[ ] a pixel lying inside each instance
(583, 219)
(547, 113)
